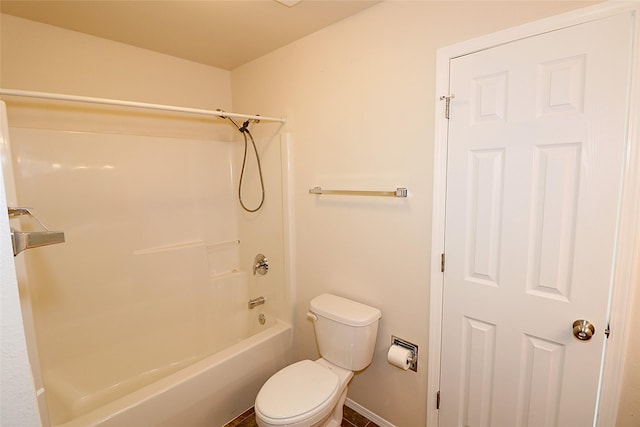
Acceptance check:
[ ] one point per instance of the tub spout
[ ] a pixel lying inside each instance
(256, 302)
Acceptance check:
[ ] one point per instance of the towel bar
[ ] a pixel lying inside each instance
(398, 192)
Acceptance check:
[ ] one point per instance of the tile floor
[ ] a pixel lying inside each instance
(350, 418)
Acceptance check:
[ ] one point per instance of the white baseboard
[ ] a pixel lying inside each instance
(367, 413)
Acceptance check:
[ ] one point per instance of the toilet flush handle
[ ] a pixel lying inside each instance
(312, 316)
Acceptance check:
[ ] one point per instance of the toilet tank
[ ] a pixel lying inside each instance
(346, 330)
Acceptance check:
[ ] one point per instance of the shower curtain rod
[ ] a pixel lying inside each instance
(121, 103)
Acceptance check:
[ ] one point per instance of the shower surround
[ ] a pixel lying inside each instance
(149, 291)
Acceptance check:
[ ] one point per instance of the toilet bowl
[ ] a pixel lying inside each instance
(312, 393)
(306, 393)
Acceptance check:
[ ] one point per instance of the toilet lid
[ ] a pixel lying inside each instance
(297, 389)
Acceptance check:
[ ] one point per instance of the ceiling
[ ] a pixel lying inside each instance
(220, 33)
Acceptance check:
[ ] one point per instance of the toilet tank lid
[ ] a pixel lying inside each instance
(345, 311)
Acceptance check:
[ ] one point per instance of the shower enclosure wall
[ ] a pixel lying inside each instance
(155, 274)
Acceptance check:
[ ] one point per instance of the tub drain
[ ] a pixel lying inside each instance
(262, 319)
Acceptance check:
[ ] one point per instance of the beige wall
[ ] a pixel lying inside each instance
(359, 98)
(629, 410)
(45, 58)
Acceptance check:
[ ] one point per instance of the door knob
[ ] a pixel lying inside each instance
(583, 329)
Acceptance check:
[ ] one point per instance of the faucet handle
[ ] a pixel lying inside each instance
(260, 265)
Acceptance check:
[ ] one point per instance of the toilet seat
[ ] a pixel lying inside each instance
(302, 391)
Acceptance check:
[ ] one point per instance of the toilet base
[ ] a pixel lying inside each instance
(336, 417)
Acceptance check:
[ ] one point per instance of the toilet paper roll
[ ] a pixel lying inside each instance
(400, 357)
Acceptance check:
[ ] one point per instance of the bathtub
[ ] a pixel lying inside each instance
(209, 392)
(201, 368)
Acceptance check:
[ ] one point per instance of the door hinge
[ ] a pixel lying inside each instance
(447, 105)
(438, 400)
(442, 263)
(607, 331)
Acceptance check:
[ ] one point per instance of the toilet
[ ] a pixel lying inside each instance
(312, 393)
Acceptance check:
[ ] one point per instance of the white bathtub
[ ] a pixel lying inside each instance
(190, 356)
(209, 392)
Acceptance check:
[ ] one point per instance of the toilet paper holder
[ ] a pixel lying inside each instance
(409, 346)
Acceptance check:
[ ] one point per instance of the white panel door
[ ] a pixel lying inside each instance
(535, 157)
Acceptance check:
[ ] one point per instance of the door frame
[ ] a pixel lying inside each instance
(627, 256)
